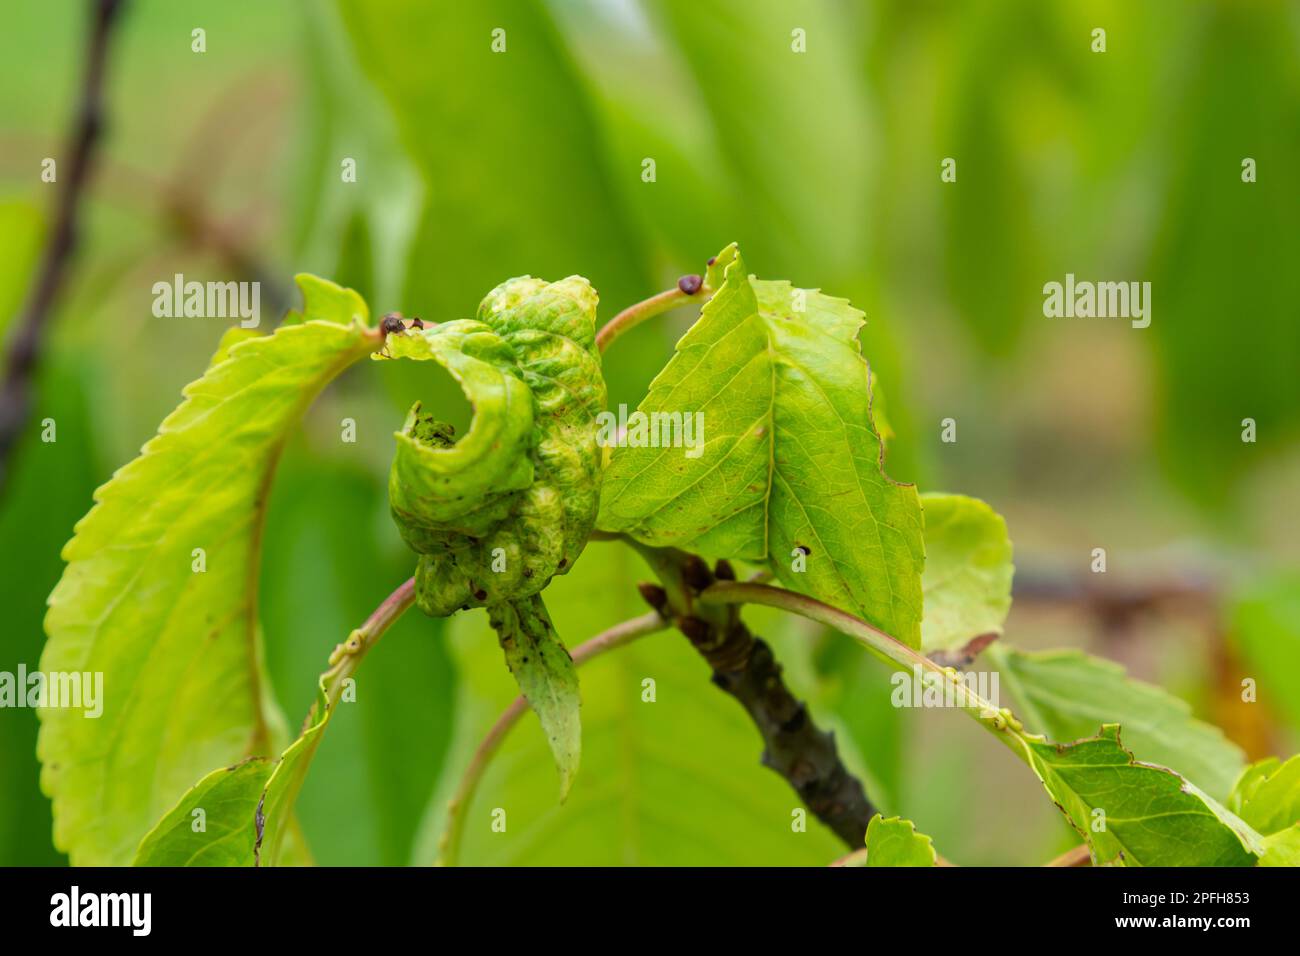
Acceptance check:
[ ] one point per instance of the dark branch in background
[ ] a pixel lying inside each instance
(745, 668)
(1117, 604)
(31, 327)
(191, 221)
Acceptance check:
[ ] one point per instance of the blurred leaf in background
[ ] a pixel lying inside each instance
(506, 144)
(1264, 617)
(1225, 286)
(48, 491)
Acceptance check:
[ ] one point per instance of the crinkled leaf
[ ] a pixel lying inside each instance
(968, 570)
(179, 649)
(1067, 694)
(790, 459)
(895, 842)
(497, 514)
(546, 676)
(1136, 814)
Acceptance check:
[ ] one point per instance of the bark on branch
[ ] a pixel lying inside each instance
(31, 325)
(745, 668)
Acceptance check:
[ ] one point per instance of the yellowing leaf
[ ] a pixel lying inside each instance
(159, 595)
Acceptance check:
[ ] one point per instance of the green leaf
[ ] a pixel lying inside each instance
(895, 842)
(1135, 814)
(546, 676)
(808, 214)
(1267, 795)
(1129, 812)
(179, 648)
(968, 570)
(272, 818)
(455, 102)
(1067, 694)
(790, 460)
(228, 799)
(1282, 848)
(252, 810)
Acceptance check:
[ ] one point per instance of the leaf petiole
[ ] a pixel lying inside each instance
(688, 288)
(346, 657)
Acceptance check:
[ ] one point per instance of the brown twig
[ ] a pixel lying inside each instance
(1117, 603)
(32, 324)
(1078, 856)
(745, 668)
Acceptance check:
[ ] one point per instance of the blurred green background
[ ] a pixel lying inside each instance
(473, 166)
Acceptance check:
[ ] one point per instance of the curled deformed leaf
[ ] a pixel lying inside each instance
(498, 512)
(495, 514)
